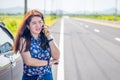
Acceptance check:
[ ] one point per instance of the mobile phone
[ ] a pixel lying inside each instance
(44, 30)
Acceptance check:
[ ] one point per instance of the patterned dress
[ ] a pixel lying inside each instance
(38, 53)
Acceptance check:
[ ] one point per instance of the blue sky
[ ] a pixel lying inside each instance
(66, 5)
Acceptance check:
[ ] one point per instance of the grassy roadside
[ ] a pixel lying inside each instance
(100, 17)
(50, 20)
(12, 21)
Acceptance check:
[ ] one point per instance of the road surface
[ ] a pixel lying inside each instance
(91, 51)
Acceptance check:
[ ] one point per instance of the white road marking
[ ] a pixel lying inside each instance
(60, 72)
(86, 26)
(96, 30)
(117, 39)
(81, 23)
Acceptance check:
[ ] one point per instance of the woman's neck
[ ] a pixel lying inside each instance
(35, 35)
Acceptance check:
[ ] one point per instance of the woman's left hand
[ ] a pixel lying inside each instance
(54, 61)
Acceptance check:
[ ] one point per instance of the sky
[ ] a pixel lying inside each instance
(66, 5)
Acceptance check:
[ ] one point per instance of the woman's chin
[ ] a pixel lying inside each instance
(37, 32)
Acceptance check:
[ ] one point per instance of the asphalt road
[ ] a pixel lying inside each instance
(91, 51)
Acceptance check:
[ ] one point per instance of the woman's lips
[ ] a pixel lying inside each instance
(37, 29)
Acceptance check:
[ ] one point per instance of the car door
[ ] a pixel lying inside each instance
(10, 63)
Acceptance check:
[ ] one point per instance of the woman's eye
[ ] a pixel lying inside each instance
(33, 23)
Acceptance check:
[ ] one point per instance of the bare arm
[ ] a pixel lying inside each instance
(55, 53)
(27, 58)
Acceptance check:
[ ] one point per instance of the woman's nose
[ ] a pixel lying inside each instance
(38, 24)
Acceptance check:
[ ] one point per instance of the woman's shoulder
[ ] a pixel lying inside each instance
(22, 40)
(22, 44)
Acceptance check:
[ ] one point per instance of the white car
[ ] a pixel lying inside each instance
(11, 64)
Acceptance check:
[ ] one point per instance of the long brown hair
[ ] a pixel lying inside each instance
(24, 32)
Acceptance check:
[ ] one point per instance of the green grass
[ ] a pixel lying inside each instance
(101, 17)
(13, 21)
(50, 20)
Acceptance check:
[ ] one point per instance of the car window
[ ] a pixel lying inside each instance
(5, 40)
(5, 47)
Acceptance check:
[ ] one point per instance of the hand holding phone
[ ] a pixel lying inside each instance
(45, 30)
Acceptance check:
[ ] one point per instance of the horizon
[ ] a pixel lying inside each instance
(18, 9)
(70, 6)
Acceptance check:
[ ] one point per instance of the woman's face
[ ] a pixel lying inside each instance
(35, 25)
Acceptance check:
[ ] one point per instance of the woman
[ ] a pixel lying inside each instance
(36, 46)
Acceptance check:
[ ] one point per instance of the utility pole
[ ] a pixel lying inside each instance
(115, 14)
(51, 7)
(52, 3)
(25, 6)
(44, 7)
(93, 6)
